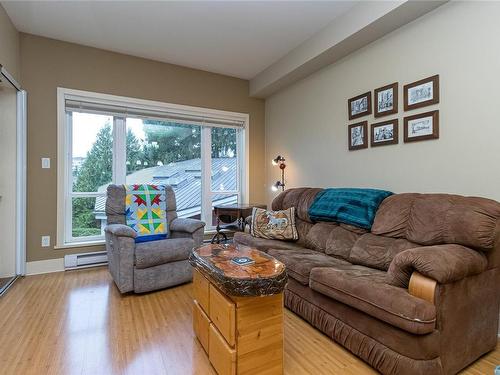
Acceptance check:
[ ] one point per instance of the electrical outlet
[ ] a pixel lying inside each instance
(45, 241)
(45, 163)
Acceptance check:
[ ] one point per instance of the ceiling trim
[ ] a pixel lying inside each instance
(363, 24)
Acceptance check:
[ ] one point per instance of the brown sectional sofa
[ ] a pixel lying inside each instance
(353, 285)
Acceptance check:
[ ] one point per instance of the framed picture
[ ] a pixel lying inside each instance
(386, 100)
(422, 126)
(384, 133)
(360, 105)
(358, 135)
(422, 93)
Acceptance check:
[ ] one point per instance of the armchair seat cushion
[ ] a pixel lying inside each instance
(300, 262)
(365, 289)
(149, 254)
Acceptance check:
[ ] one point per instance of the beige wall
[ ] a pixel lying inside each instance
(307, 122)
(47, 64)
(9, 45)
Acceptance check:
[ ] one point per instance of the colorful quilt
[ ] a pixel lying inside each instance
(146, 211)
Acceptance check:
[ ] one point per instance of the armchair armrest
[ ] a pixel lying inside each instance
(120, 247)
(186, 225)
(443, 263)
(120, 230)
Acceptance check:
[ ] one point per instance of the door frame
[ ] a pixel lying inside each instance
(21, 175)
(21, 197)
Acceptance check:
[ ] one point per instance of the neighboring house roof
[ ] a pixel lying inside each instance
(185, 178)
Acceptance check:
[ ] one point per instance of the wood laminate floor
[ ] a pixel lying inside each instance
(77, 323)
(4, 281)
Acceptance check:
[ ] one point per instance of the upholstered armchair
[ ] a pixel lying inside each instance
(146, 266)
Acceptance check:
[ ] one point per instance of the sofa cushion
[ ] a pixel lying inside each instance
(300, 262)
(434, 219)
(354, 229)
(326, 313)
(340, 242)
(149, 254)
(300, 198)
(378, 251)
(303, 228)
(332, 239)
(365, 289)
(318, 235)
(392, 215)
(441, 218)
(246, 239)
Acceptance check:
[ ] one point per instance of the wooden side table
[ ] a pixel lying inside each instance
(238, 310)
(238, 211)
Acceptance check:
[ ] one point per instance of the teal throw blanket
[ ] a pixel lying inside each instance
(348, 205)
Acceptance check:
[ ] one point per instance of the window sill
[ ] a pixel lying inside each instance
(73, 245)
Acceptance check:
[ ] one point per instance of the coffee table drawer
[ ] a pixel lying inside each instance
(201, 325)
(223, 314)
(221, 356)
(201, 290)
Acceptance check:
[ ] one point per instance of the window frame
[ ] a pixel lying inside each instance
(207, 159)
(65, 194)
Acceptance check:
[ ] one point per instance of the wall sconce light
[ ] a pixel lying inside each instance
(277, 185)
(279, 161)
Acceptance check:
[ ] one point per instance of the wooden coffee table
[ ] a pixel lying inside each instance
(238, 310)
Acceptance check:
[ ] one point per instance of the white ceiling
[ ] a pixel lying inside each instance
(238, 38)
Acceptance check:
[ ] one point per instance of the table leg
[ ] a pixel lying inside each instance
(218, 234)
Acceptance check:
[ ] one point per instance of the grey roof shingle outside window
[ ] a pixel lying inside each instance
(185, 178)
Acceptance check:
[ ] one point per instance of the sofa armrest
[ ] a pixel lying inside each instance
(443, 263)
(120, 230)
(186, 225)
(422, 287)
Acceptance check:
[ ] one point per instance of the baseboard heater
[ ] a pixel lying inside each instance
(85, 260)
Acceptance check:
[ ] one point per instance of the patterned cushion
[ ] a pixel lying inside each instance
(145, 211)
(274, 225)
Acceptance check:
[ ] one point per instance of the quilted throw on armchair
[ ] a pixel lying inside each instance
(146, 211)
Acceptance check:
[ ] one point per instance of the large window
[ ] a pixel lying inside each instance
(105, 139)
(91, 164)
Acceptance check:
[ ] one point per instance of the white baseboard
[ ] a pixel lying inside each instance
(45, 266)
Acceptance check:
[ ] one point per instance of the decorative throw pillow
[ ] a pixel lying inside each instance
(145, 211)
(274, 225)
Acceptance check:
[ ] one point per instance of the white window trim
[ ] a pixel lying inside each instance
(64, 142)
